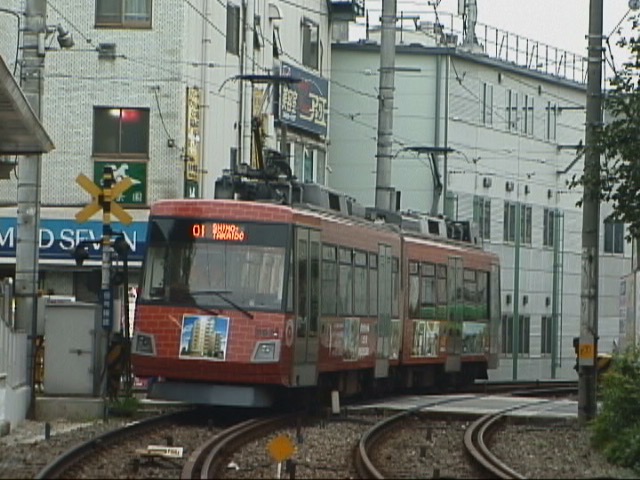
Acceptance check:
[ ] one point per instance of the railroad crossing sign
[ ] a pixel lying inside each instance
(101, 197)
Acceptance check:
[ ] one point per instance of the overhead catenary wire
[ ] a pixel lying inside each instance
(185, 79)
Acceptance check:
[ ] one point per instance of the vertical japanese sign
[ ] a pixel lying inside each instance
(192, 165)
(304, 103)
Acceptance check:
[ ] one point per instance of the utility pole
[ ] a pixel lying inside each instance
(590, 222)
(28, 189)
(554, 289)
(515, 334)
(385, 194)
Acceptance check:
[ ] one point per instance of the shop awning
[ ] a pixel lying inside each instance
(21, 133)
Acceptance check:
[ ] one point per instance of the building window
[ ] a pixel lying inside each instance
(512, 110)
(527, 118)
(613, 237)
(509, 233)
(233, 28)
(546, 340)
(487, 104)
(482, 216)
(548, 227)
(258, 37)
(310, 44)
(277, 44)
(523, 334)
(121, 131)
(123, 13)
(552, 121)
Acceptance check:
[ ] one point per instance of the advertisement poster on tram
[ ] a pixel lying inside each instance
(204, 337)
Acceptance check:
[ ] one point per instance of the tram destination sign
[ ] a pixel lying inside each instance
(219, 231)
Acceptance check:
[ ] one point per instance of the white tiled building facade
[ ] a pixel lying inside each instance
(516, 133)
(151, 87)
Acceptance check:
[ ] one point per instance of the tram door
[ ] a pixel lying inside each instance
(307, 306)
(455, 318)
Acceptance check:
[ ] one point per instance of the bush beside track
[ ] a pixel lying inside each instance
(616, 428)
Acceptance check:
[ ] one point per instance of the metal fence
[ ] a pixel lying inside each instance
(496, 43)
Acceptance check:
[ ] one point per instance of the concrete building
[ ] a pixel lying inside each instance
(164, 93)
(510, 112)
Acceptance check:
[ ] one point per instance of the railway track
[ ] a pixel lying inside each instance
(219, 446)
(68, 460)
(208, 460)
(476, 440)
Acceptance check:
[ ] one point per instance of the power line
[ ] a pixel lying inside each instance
(164, 125)
(55, 9)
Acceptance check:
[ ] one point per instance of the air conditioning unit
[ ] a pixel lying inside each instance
(486, 182)
(508, 186)
(106, 51)
(549, 193)
(526, 190)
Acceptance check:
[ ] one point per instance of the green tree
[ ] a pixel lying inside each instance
(618, 140)
(616, 429)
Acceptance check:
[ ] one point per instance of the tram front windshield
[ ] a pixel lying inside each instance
(213, 263)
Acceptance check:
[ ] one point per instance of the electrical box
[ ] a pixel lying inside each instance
(74, 349)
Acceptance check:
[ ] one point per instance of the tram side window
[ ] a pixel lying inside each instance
(373, 284)
(441, 292)
(314, 287)
(469, 285)
(395, 278)
(290, 282)
(155, 274)
(414, 290)
(329, 280)
(483, 295)
(360, 283)
(345, 283)
(427, 291)
(302, 284)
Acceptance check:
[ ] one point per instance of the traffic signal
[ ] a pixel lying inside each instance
(121, 247)
(576, 347)
(81, 253)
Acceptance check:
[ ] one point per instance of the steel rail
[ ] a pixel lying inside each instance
(364, 465)
(205, 461)
(71, 457)
(474, 441)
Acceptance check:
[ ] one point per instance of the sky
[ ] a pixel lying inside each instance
(560, 23)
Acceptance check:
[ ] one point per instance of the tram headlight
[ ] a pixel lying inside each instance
(143, 344)
(267, 351)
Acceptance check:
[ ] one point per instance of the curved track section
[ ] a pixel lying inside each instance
(61, 464)
(475, 441)
(364, 465)
(207, 460)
